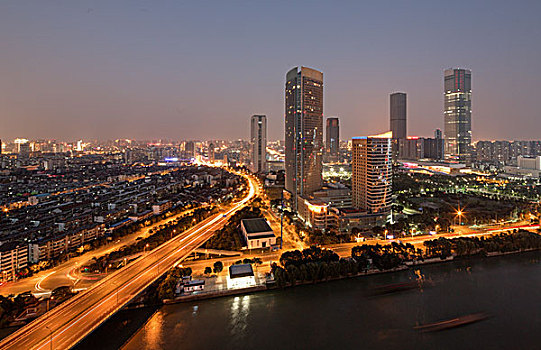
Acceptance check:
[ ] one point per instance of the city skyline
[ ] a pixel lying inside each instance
(156, 156)
(150, 79)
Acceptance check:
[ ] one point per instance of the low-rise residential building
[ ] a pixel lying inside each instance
(142, 216)
(161, 207)
(193, 286)
(13, 257)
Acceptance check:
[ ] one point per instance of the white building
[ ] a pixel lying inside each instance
(527, 167)
(257, 233)
(240, 276)
(194, 285)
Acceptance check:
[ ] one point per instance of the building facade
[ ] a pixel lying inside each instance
(258, 138)
(505, 152)
(257, 233)
(211, 152)
(13, 257)
(416, 148)
(189, 149)
(371, 173)
(398, 115)
(332, 138)
(303, 132)
(457, 115)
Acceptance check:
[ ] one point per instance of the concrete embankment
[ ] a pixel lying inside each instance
(216, 294)
(272, 285)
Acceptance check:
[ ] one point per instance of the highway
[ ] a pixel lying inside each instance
(68, 323)
(65, 274)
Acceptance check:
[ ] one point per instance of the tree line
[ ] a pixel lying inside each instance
(157, 237)
(317, 264)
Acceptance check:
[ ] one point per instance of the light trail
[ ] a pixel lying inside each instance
(38, 284)
(68, 323)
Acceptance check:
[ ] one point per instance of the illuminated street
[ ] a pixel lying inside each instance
(66, 324)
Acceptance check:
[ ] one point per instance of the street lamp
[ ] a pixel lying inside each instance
(459, 213)
(51, 334)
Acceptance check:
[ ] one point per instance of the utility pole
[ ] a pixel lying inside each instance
(282, 220)
(51, 334)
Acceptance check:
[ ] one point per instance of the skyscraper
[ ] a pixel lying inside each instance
(258, 138)
(371, 173)
(398, 115)
(189, 149)
(457, 114)
(303, 131)
(332, 138)
(210, 153)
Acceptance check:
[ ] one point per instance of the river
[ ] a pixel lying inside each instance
(342, 315)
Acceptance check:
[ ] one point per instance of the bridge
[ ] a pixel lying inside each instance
(67, 324)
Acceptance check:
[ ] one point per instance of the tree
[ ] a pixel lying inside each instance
(167, 288)
(218, 267)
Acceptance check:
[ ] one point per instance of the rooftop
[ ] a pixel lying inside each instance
(256, 225)
(241, 270)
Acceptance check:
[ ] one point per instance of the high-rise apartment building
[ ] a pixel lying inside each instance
(416, 148)
(457, 114)
(303, 131)
(189, 149)
(258, 138)
(371, 173)
(332, 138)
(398, 114)
(505, 152)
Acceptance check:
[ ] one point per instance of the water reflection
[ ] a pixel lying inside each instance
(240, 308)
(319, 316)
(153, 331)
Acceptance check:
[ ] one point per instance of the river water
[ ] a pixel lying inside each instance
(343, 315)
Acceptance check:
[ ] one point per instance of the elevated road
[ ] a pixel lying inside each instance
(68, 323)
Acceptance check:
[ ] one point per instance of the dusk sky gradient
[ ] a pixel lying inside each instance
(200, 69)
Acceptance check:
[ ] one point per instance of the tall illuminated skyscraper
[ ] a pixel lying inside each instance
(371, 173)
(332, 138)
(258, 138)
(303, 131)
(457, 114)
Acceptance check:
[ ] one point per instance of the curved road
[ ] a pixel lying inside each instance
(62, 275)
(67, 324)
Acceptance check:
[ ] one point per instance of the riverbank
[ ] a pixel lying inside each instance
(269, 285)
(317, 316)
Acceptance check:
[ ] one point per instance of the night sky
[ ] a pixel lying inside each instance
(200, 69)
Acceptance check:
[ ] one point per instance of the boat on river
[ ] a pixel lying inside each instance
(395, 288)
(452, 323)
